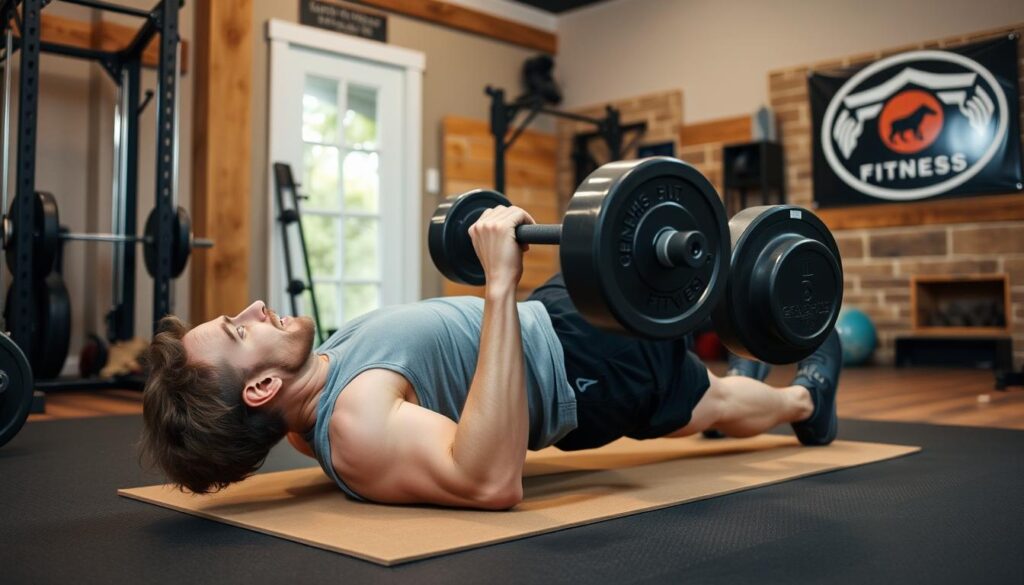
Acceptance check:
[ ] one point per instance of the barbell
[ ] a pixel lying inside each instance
(643, 245)
(645, 251)
(47, 235)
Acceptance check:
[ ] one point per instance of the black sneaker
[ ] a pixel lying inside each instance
(739, 366)
(819, 373)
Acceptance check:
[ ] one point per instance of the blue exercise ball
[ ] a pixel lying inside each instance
(858, 336)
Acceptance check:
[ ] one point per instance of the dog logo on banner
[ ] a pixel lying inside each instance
(936, 129)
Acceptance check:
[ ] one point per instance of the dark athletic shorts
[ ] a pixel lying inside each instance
(624, 386)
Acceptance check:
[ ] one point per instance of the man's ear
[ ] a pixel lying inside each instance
(261, 390)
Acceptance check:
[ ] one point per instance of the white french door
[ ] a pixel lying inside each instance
(345, 125)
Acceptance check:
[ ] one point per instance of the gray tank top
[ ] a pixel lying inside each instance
(434, 345)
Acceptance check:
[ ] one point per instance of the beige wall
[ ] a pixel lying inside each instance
(459, 65)
(719, 53)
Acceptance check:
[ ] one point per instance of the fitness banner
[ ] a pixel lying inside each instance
(919, 125)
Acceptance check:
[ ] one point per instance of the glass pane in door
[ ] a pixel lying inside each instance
(321, 233)
(361, 117)
(320, 110)
(320, 176)
(361, 246)
(361, 181)
(326, 303)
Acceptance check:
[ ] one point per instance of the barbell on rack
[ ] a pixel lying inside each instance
(47, 236)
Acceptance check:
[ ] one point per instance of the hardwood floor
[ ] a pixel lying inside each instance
(87, 404)
(938, 396)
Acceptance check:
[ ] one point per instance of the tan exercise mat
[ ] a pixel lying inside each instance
(562, 490)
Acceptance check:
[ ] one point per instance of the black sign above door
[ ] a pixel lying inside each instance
(331, 16)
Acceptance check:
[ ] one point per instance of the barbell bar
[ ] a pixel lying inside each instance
(47, 234)
(672, 247)
(118, 238)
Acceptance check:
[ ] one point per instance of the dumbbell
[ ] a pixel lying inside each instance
(643, 246)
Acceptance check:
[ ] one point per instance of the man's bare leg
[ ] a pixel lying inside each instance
(743, 407)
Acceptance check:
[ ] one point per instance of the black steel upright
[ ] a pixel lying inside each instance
(121, 322)
(167, 22)
(609, 128)
(22, 311)
(499, 128)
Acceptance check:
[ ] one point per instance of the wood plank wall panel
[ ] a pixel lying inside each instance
(724, 130)
(468, 152)
(103, 35)
(469, 20)
(221, 157)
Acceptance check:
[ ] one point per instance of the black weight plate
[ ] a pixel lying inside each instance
(51, 328)
(52, 335)
(608, 255)
(451, 248)
(16, 394)
(785, 285)
(181, 242)
(45, 239)
(149, 243)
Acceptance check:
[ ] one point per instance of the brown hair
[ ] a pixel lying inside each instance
(197, 428)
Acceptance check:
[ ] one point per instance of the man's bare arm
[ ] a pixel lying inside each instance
(393, 451)
(478, 462)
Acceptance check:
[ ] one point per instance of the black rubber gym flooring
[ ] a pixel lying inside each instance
(951, 514)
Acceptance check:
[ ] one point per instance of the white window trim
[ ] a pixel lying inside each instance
(281, 35)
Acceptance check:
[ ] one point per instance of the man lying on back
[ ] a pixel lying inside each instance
(438, 401)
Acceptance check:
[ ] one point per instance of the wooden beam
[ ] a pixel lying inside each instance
(724, 130)
(104, 36)
(959, 210)
(221, 155)
(467, 19)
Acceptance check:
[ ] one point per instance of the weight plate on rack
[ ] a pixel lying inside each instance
(51, 328)
(45, 240)
(181, 242)
(52, 335)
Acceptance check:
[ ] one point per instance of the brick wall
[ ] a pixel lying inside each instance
(879, 262)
